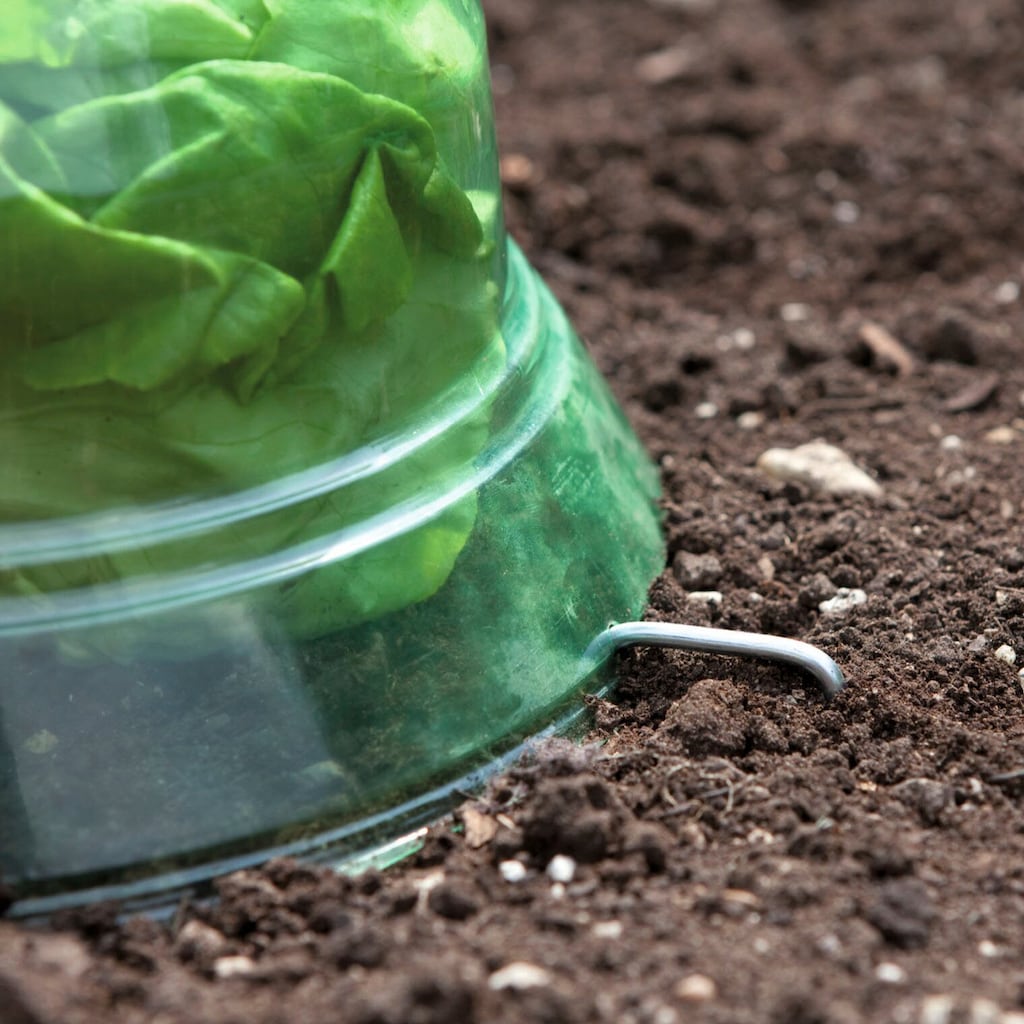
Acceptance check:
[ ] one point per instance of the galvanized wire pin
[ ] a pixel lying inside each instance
(721, 641)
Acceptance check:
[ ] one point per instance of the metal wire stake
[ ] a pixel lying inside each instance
(720, 641)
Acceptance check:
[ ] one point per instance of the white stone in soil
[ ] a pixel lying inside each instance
(697, 988)
(845, 212)
(1002, 435)
(890, 973)
(519, 975)
(985, 1011)
(794, 312)
(1006, 653)
(561, 869)
(512, 870)
(1007, 293)
(233, 966)
(745, 340)
(821, 466)
(845, 600)
(936, 1009)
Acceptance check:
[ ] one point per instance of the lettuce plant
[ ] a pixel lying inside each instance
(232, 250)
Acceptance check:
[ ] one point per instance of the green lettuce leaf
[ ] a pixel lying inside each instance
(232, 251)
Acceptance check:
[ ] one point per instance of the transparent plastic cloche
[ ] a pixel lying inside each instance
(310, 501)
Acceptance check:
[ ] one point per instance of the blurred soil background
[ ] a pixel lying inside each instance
(774, 222)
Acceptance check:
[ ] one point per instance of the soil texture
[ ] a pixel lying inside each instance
(774, 222)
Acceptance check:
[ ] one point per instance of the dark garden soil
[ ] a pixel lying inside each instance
(773, 221)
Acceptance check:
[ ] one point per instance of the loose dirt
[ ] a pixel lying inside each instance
(772, 222)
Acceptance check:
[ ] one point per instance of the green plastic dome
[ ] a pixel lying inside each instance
(311, 502)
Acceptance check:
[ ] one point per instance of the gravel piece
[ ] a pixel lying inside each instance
(519, 975)
(821, 466)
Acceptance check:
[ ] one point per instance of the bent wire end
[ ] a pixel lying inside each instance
(720, 641)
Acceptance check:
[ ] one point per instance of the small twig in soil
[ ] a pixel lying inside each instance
(886, 349)
(976, 394)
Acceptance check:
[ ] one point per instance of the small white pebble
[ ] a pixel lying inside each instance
(1004, 652)
(795, 312)
(844, 600)
(950, 443)
(697, 988)
(607, 930)
(762, 945)
(201, 939)
(959, 477)
(1002, 435)
(890, 973)
(233, 966)
(519, 975)
(936, 1010)
(561, 869)
(846, 212)
(820, 465)
(516, 169)
(1007, 293)
(988, 949)
(750, 420)
(745, 339)
(512, 870)
(985, 1011)
(711, 597)
(706, 411)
